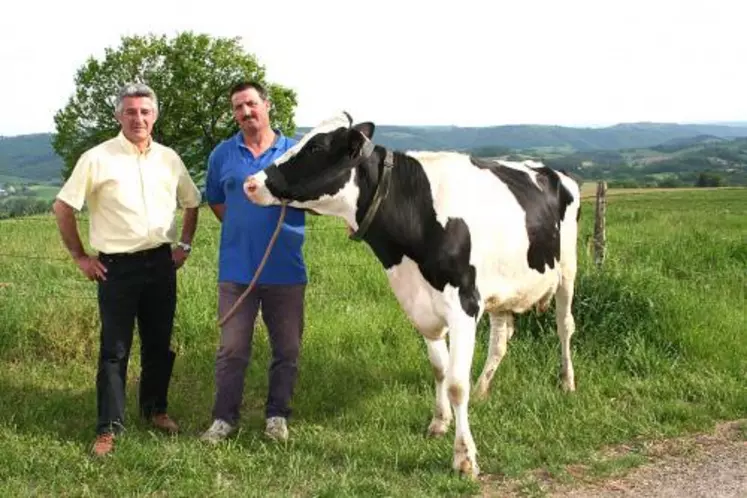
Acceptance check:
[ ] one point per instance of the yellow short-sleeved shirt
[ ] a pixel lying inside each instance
(132, 196)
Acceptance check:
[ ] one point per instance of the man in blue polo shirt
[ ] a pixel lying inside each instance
(245, 234)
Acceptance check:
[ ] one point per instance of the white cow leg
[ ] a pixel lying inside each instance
(462, 329)
(438, 353)
(501, 328)
(566, 327)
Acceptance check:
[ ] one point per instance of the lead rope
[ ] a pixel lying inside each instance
(259, 268)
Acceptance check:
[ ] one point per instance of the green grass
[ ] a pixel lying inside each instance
(47, 192)
(660, 349)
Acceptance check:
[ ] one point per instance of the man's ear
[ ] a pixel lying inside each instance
(366, 128)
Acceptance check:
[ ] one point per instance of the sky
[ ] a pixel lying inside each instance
(411, 62)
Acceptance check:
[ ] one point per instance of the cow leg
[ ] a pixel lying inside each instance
(438, 353)
(501, 329)
(566, 327)
(462, 329)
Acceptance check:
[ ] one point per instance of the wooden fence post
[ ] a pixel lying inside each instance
(600, 238)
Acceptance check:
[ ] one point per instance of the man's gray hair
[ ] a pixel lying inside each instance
(135, 90)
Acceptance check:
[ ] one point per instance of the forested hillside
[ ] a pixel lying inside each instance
(640, 153)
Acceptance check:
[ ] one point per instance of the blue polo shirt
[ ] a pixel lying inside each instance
(247, 228)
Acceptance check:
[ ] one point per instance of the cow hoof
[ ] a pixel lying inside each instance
(466, 467)
(480, 393)
(567, 384)
(438, 427)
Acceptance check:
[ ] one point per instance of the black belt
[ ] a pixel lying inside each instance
(137, 254)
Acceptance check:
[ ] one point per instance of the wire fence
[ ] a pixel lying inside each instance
(72, 286)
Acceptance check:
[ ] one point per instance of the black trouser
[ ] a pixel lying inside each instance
(283, 312)
(141, 285)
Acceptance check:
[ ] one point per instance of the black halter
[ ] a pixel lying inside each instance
(381, 191)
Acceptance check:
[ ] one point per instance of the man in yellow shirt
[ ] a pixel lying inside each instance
(131, 185)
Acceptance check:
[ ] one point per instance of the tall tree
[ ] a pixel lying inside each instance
(191, 75)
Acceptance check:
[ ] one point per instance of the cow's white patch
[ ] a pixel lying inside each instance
(421, 303)
(256, 192)
(338, 121)
(341, 204)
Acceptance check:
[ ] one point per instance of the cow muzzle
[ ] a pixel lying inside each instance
(256, 190)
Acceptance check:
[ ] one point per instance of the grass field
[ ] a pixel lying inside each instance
(46, 192)
(660, 350)
(589, 190)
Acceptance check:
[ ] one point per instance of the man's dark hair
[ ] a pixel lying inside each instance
(243, 85)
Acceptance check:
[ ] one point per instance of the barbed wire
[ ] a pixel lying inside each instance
(70, 287)
(81, 221)
(8, 288)
(23, 256)
(32, 256)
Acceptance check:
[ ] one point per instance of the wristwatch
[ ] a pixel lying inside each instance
(184, 246)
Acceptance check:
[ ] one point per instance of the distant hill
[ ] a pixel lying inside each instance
(674, 163)
(676, 144)
(31, 159)
(622, 136)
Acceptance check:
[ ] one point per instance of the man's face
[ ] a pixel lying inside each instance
(250, 111)
(137, 117)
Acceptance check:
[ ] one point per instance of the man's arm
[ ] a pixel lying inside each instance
(214, 194)
(68, 228)
(91, 267)
(189, 224)
(218, 210)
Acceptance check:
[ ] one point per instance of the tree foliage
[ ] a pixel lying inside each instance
(709, 179)
(191, 75)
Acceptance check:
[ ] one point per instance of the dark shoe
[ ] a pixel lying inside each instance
(103, 445)
(164, 423)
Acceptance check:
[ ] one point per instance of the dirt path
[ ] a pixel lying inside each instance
(709, 465)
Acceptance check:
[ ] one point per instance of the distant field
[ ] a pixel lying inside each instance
(589, 189)
(11, 179)
(45, 191)
(660, 350)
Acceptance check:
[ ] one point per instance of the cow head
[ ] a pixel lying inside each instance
(318, 173)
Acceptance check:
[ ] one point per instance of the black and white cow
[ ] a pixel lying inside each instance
(458, 236)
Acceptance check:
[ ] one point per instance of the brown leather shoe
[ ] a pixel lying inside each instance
(103, 445)
(164, 423)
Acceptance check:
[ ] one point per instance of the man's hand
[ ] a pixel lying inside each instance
(178, 256)
(91, 267)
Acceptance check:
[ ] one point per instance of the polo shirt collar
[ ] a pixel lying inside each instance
(130, 147)
(279, 137)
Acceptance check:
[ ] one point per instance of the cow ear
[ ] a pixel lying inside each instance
(359, 138)
(366, 128)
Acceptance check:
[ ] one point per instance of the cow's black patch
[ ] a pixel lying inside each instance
(406, 225)
(545, 208)
(325, 169)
